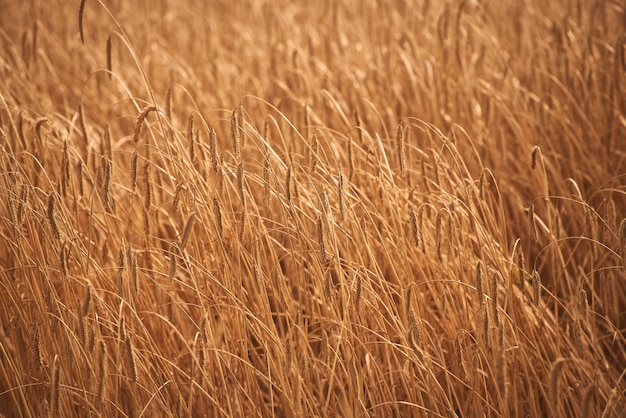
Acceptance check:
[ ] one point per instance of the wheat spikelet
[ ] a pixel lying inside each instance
(51, 216)
(133, 171)
(191, 139)
(147, 186)
(555, 374)
(168, 104)
(186, 231)
(217, 211)
(65, 170)
(494, 299)
(179, 189)
(121, 265)
(82, 120)
(241, 183)
(531, 220)
(458, 354)
(106, 195)
(256, 268)
(109, 60)
(326, 205)
(342, 204)
(415, 230)
(86, 302)
(267, 187)
(79, 176)
(140, 119)
(353, 371)
(89, 335)
(288, 185)
(174, 251)
(234, 133)
(37, 359)
(400, 139)
(20, 129)
(536, 151)
(587, 399)
(54, 388)
(536, 281)
(213, 149)
(132, 366)
(278, 286)
(102, 372)
(328, 285)
(288, 351)
(312, 151)
(63, 256)
(321, 240)
(578, 336)
(359, 294)
(438, 233)
(591, 225)
(483, 184)
(479, 283)
(81, 12)
(38, 124)
(241, 125)
(622, 241)
(583, 304)
(201, 361)
(134, 270)
(521, 269)
(22, 203)
(414, 335)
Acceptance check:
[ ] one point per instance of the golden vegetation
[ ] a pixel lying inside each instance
(333, 208)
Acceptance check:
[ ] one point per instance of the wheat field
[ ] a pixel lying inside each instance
(313, 208)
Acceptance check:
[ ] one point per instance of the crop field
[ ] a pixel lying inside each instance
(376, 208)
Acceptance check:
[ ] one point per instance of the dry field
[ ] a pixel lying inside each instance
(312, 208)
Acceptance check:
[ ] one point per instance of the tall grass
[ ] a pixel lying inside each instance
(297, 208)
